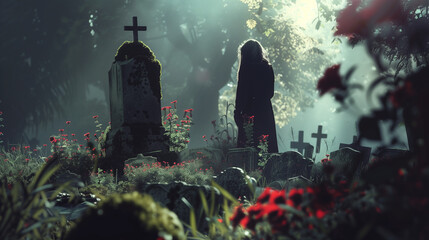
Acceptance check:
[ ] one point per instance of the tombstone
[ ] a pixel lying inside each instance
(179, 197)
(210, 157)
(347, 162)
(135, 104)
(244, 158)
(140, 160)
(286, 165)
(297, 182)
(236, 182)
(365, 151)
(319, 137)
(302, 147)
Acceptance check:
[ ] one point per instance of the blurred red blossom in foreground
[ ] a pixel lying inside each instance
(353, 22)
(330, 80)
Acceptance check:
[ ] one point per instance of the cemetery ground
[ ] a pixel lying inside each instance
(57, 192)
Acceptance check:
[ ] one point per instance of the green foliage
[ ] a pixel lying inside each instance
(19, 165)
(78, 163)
(263, 151)
(177, 130)
(25, 208)
(125, 216)
(224, 133)
(189, 172)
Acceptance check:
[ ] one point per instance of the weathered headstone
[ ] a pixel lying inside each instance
(179, 197)
(140, 160)
(135, 105)
(302, 147)
(293, 182)
(297, 182)
(287, 165)
(347, 162)
(319, 137)
(244, 158)
(236, 182)
(365, 151)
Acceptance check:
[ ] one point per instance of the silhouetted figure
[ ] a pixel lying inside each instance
(253, 100)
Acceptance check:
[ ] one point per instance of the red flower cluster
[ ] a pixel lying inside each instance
(271, 207)
(353, 23)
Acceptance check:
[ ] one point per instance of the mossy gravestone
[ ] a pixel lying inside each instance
(135, 106)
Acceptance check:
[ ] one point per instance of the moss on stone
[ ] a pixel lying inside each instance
(140, 51)
(127, 216)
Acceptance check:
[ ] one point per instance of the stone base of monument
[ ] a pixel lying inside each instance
(128, 141)
(244, 158)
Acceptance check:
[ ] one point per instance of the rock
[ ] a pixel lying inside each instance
(236, 182)
(286, 165)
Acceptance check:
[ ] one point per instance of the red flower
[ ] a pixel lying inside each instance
(330, 80)
(277, 197)
(352, 22)
(265, 196)
(68, 122)
(86, 134)
(61, 130)
(1, 133)
(295, 197)
(1, 113)
(95, 116)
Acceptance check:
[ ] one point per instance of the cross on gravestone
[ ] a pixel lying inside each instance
(135, 28)
(319, 137)
(365, 151)
(300, 145)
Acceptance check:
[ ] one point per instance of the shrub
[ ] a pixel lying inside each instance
(127, 216)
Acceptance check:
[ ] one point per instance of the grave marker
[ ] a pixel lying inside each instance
(319, 137)
(302, 146)
(365, 151)
(135, 28)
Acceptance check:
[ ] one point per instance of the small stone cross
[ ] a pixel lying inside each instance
(300, 145)
(319, 137)
(135, 28)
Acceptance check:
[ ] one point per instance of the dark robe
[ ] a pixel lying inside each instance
(254, 92)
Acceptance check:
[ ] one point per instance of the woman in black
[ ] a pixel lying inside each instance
(253, 100)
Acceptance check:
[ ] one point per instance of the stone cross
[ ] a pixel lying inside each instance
(319, 137)
(135, 28)
(300, 145)
(365, 151)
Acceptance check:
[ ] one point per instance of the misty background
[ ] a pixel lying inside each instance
(56, 56)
